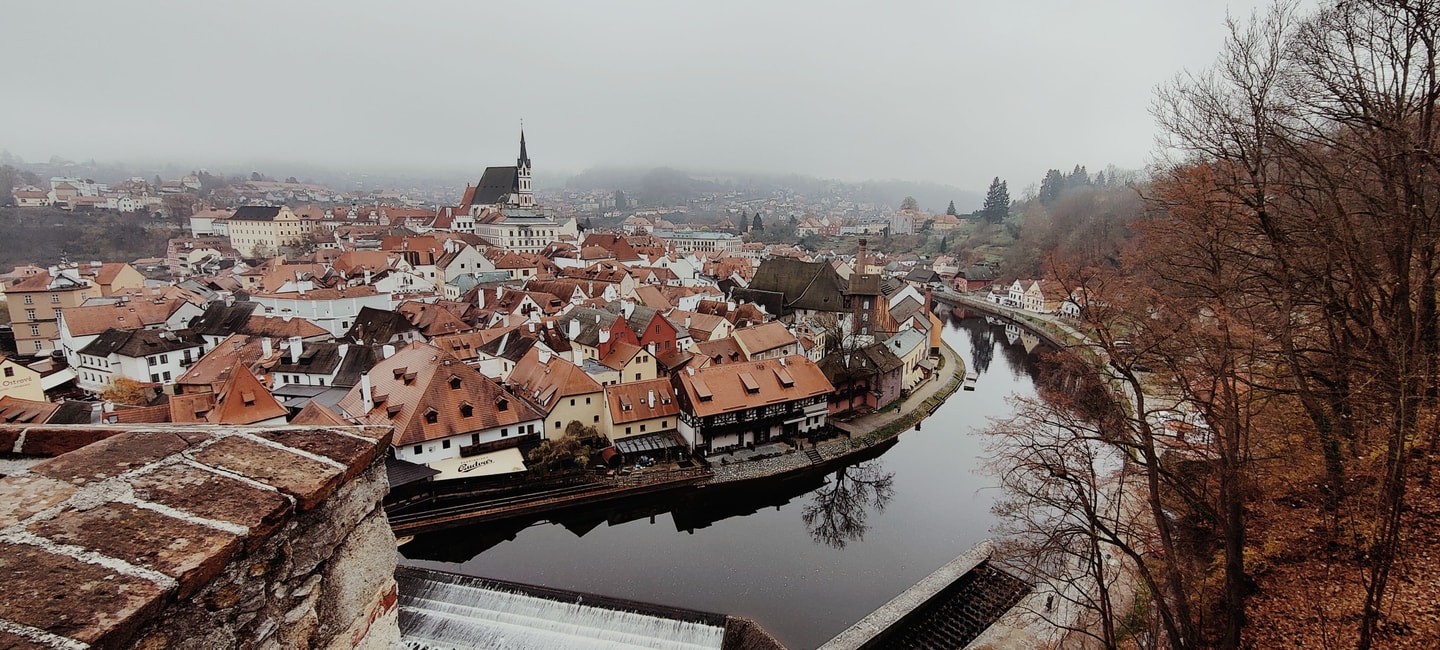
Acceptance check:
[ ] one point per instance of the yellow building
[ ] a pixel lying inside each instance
(34, 302)
(260, 230)
(19, 381)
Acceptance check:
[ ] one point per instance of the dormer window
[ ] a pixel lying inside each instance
(502, 404)
(466, 410)
(454, 383)
(432, 416)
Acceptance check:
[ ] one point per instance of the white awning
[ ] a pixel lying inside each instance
(57, 378)
(505, 461)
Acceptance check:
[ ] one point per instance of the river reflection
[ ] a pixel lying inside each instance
(837, 513)
(805, 558)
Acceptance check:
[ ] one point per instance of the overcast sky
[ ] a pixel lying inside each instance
(947, 91)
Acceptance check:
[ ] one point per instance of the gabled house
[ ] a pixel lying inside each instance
(561, 389)
(643, 408)
(868, 377)
(743, 404)
(443, 411)
(19, 381)
(786, 286)
(148, 356)
(768, 341)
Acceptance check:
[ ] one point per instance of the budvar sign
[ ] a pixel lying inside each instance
(474, 465)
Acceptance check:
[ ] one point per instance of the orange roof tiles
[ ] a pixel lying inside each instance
(242, 399)
(434, 381)
(719, 389)
(633, 401)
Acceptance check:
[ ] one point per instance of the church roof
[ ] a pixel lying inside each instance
(495, 185)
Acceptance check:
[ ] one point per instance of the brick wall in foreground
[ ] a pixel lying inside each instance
(201, 537)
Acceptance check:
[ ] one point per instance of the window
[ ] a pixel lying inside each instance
(627, 430)
(587, 400)
(431, 416)
(154, 379)
(531, 428)
(597, 418)
(39, 346)
(642, 428)
(150, 361)
(502, 404)
(454, 383)
(166, 375)
(419, 449)
(29, 299)
(664, 424)
(9, 372)
(165, 358)
(637, 376)
(504, 432)
(466, 410)
(54, 298)
(572, 401)
(557, 425)
(30, 314)
(474, 438)
(445, 444)
(34, 330)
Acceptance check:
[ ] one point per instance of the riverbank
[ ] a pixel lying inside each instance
(860, 432)
(864, 437)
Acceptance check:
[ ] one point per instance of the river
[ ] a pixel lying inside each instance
(805, 559)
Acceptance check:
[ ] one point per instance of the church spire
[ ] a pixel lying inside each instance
(523, 195)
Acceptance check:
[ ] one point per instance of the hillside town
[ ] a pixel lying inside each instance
(481, 330)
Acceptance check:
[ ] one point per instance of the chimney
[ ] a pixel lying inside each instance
(543, 356)
(344, 349)
(687, 322)
(295, 349)
(387, 351)
(266, 347)
(861, 258)
(572, 329)
(367, 277)
(505, 320)
(605, 335)
(498, 291)
(365, 395)
(531, 326)
(652, 399)
(627, 307)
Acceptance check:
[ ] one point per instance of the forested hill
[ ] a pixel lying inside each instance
(43, 236)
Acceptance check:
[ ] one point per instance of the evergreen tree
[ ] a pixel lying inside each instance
(997, 202)
(943, 237)
(744, 223)
(756, 225)
(1078, 178)
(1052, 186)
(951, 210)
(1100, 180)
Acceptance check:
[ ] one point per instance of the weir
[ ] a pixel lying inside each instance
(444, 610)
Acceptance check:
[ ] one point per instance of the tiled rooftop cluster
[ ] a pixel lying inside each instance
(163, 534)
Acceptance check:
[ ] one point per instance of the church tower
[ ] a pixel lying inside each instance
(524, 197)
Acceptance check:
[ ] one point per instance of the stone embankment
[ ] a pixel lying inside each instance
(161, 537)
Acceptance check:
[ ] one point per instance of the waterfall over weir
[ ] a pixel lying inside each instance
(443, 610)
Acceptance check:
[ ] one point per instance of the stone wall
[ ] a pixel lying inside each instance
(201, 537)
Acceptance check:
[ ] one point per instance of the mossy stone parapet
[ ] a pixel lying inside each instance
(212, 536)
